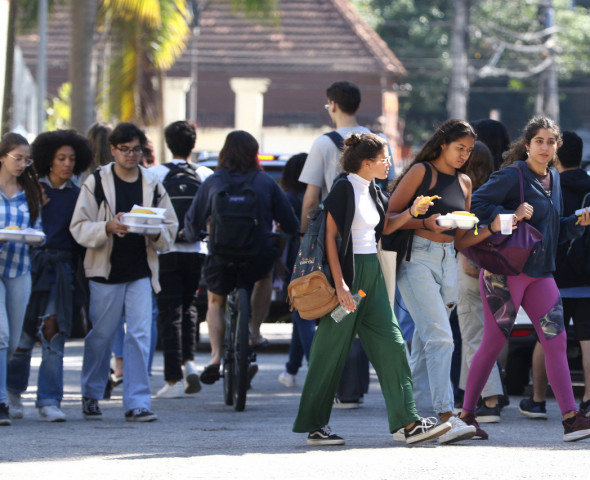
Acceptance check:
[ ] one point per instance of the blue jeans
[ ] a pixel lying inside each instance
(119, 339)
(428, 284)
(14, 296)
(50, 379)
(301, 338)
(107, 304)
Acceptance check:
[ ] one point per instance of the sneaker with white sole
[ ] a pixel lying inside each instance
(399, 436)
(171, 391)
(90, 409)
(191, 377)
(459, 431)
(425, 429)
(51, 413)
(576, 428)
(533, 409)
(345, 405)
(485, 414)
(5, 415)
(15, 402)
(140, 415)
(287, 379)
(324, 436)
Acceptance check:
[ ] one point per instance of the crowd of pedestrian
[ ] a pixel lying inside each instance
(66, 196)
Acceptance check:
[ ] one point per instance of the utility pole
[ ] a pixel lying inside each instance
(41, 65)
(551, 97)
(459, 84)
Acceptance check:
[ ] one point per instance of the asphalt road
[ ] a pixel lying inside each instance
(200, 437)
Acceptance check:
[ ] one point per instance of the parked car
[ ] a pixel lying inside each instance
(517, 358)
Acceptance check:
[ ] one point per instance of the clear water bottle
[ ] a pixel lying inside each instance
(340, 312)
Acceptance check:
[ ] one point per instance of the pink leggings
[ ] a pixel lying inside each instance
(539, 297)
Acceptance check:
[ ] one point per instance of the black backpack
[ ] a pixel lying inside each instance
(182, 184)
(235, 231)
(99, 191)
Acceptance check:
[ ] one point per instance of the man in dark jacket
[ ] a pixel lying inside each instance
(570, 275)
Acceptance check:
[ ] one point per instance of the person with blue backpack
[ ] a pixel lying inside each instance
(180, 267)
(239, 203)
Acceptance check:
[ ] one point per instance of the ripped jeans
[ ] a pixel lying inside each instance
(428, 284)
(50, 384)
(539, 297)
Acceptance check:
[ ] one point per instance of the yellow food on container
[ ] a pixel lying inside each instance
(12, 227)
(142, 210)
(463, 212)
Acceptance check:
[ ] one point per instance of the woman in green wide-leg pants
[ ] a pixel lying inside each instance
(377, 327)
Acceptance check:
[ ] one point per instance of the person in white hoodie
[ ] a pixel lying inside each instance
(122, 269)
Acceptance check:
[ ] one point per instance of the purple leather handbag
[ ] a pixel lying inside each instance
(506, 254)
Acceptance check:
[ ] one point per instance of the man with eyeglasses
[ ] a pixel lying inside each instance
(319, 172)
(122, 269)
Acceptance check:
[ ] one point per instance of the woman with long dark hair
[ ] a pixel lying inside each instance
(20, 207)
(428, 279)
(534, 153)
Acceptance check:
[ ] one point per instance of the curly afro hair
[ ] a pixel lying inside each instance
(46, 144)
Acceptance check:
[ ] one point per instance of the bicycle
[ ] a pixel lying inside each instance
(238, 355)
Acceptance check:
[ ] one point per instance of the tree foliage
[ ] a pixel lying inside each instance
(509, 47)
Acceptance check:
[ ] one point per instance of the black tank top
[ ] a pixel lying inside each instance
(449, 189)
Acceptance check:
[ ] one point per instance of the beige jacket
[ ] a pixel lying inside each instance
(88, 225)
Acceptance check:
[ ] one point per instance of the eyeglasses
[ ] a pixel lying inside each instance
(19, 158)
(137, 151)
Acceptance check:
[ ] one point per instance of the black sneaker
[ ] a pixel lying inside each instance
(324, 436)
(533, 409)
(425, 429)
(576, 428)
(140, 415)
(487, 414)
(585, 408)
(4, 415)
(90, 409)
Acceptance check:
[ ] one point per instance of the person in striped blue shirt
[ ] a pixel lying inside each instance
(20, 208)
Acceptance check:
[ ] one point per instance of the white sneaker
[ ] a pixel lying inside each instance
(171, 391)
(15, 404)
(459, 431)
(287, 379)
(51, 413)
(399, 436)
(191, 377)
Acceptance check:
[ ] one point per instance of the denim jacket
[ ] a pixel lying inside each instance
(501, 194)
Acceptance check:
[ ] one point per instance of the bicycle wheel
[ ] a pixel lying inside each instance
(242, 350)
(228, 351)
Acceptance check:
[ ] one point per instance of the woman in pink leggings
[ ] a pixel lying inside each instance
(534, 289)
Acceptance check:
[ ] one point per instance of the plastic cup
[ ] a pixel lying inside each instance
(506, 223)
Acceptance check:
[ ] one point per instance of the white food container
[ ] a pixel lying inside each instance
(144, 218)
(451, 220)
(144, 229)
(27, 235)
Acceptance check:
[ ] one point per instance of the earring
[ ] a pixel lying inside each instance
(527, 153)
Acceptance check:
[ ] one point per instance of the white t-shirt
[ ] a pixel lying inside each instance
(323, 161)
(202, 172)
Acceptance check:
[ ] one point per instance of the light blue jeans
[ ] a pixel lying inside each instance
(14, 296)
(428, 284)
(107, 304)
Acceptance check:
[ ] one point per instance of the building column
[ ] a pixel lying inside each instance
(249, 104)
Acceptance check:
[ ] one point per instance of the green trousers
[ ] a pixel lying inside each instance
(377, 328)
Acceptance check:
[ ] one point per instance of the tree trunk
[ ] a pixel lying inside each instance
(459, 84)
(82, 40)
(9, 72)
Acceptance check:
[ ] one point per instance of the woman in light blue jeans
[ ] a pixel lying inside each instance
(20, 206)
(428, 279)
